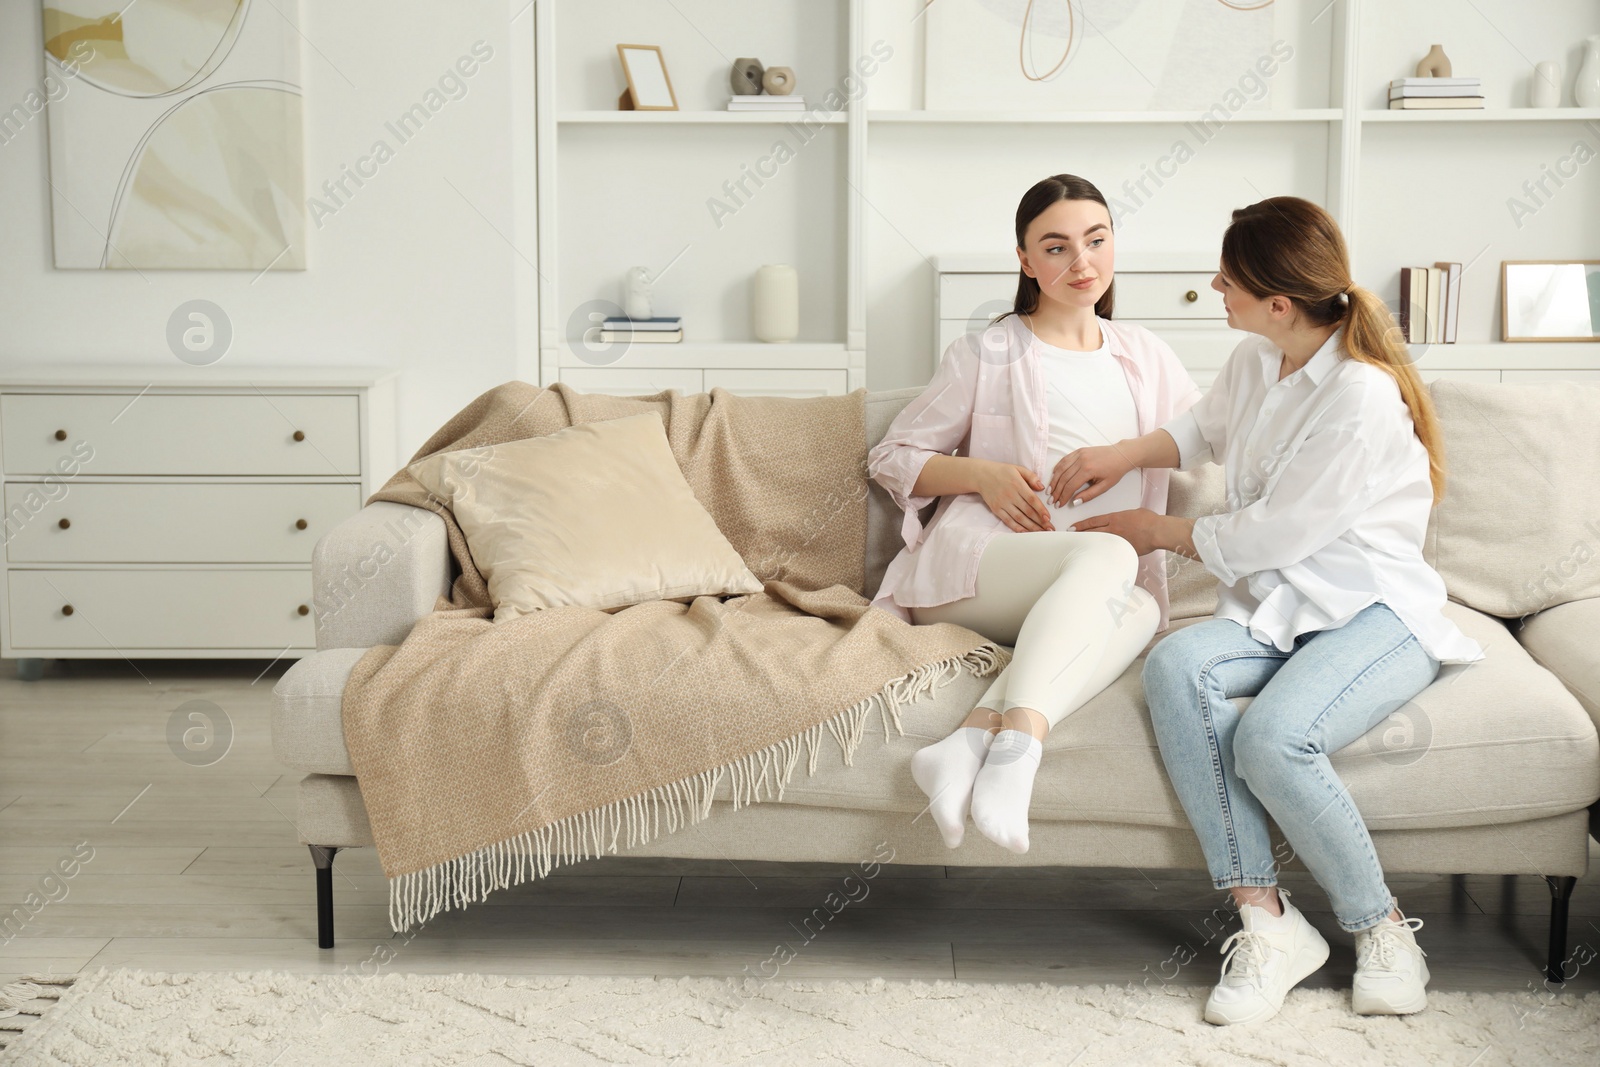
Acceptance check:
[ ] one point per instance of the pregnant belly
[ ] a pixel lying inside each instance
(1126, 495)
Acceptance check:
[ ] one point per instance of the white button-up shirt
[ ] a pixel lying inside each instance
(1328, 498)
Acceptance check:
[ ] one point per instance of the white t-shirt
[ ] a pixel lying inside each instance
(1090, 404)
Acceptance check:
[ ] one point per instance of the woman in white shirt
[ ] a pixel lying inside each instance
(1329, 617)
(1051, 376)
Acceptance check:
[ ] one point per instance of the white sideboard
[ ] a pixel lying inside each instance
(753, 369)
(172, 512)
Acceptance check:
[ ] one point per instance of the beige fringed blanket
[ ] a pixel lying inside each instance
(487, 753)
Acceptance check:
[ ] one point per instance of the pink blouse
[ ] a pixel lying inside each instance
(988, 398)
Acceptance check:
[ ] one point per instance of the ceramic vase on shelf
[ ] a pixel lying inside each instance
(1546, 88)
(745, 77)
(775, 304)
(636, 294)
(1435, 64)
(1586, 90)
(778, 81)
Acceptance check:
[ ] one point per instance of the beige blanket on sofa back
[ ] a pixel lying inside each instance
(487, 753)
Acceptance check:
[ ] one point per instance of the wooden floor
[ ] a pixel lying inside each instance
(197, 868)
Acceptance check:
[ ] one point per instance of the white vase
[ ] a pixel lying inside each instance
(1586, 90)
(1546, 88)
(775, 304)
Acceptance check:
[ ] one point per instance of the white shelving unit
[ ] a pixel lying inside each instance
(883, 188)
(671, 165)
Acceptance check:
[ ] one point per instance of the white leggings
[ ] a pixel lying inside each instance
(1061, 599)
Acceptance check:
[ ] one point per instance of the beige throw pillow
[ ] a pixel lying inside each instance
(1517, 530)
(596, 514)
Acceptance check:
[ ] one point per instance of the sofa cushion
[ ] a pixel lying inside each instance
(1453, 756)
(1565, 640)
(1495, 741)
(1512, 451)
(1191, 589)
(552, 520)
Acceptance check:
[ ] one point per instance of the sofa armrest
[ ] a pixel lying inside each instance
(376, 573)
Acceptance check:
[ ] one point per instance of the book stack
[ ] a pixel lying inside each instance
(1429, 301)
(663, 329)
(1432, 94)
(766, 102)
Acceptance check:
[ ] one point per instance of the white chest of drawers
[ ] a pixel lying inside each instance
(1170, 295)
(171, 513)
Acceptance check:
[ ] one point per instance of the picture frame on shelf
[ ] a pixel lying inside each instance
(649, 85)
(1550, 300)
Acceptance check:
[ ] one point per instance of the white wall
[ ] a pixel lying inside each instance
(409, 272)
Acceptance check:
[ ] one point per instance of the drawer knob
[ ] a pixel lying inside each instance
(299, 524)
(299, 435)
(64, 523)
(66, 609)
(1191, 296)
(302, 609)
(61, 435)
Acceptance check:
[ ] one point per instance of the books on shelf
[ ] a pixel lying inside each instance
(658, 329)
(658, 322)
(1435, 103)
(766, 102)
(1430, 300)
(1432, 94)
(642, 336)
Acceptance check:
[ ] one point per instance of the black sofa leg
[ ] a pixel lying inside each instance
(1561, 887)
(322, 856)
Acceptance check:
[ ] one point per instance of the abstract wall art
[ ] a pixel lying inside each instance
(179, 144)
(1089, 55)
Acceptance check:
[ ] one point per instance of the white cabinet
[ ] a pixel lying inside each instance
(748, 382)
(634, 381)
(172, 513)
(748, 369)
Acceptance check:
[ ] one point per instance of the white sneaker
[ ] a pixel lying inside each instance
(1267, 959)
(1391, 977)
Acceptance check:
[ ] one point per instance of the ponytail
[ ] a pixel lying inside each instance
(1371, 335)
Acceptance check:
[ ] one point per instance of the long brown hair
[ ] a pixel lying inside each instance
(1052, 190)
(1286, 246)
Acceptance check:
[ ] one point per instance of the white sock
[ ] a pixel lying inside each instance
(1004, 788)
(944, 771)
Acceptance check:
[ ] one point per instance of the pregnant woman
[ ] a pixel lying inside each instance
(1328, 614)
(1051, 376)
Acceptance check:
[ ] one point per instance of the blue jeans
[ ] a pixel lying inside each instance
(1320, 696)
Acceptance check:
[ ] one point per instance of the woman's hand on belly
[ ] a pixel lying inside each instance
(1012, 493)
(1145, 530)
(1093, 469)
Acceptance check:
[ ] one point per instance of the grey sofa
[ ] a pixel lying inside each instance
(1493, 769)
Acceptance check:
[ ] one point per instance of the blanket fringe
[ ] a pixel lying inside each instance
(418, 896)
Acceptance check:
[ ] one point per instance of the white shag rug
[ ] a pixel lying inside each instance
(142, 1018)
